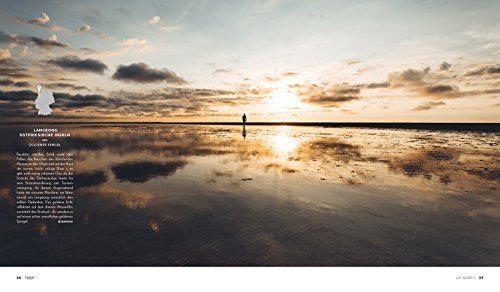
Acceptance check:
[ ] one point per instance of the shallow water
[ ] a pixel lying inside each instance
(268, 195)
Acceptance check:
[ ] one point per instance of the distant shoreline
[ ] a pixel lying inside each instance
(461, 127)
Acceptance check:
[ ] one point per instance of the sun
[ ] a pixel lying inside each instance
(284, 100)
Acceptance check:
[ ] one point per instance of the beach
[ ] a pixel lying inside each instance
(224, 195)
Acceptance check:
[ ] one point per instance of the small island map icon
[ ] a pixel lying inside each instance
(43, 101)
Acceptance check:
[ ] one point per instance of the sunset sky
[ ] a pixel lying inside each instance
(275, 60)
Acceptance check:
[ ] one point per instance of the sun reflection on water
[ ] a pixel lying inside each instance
(283, 144)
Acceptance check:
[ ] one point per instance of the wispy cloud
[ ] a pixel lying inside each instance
(85, 28)
(48, 43)
(154, 20)
(328, 96)
(62, 85)
(485, 70)
(170, 28)
(40, 22)
(133, 42)
(222, 71)
(428, 105)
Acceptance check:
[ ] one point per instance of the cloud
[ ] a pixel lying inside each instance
(154, 20)
(166, 102)
(166, 28)
(142, 73)
(487, 69)
(8, 82)
(289, 74)
(407, 78)
(69, 85)
(68, 101)
(272, 79)
(495, 91)
(133, 42)
(12, 68)
(22, 84)
(4, 54)
(445, 66)
(21, 95)
(88, 50)
(170, 28)
(8, 38)
(14, 39)
(376, 85)
(24, 51)
(16, 72)
(130, 45)
(428, 105)
(84, 28)
(423, 83)
(222, 71)
(439, 89)
(73, 63)
(40, 21)
(329, 96)
(349, 112)
(48, 43)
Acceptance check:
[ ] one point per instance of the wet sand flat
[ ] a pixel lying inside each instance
(221, 195)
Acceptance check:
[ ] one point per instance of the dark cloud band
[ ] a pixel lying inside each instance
(142, 73)
(74, 63)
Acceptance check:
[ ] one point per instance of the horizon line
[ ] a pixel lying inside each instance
(491, 127)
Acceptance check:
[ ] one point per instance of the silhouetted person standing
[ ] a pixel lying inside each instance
(244, 132)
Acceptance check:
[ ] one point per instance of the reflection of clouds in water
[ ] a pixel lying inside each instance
(327, 150)
(426, 163)
(337, 155)
(5, 193)
(7, 166)
(218, 173)
(279, 168)
(142, 171)
(308, 185)
(43, 230)
(165, 142)
(89, 179)
(155, 227)
(109, 197)
(133, 200)
(443, 163)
